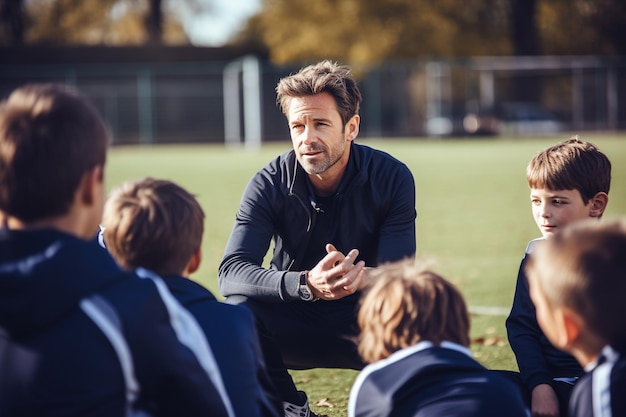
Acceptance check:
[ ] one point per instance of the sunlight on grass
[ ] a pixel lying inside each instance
(473, 219)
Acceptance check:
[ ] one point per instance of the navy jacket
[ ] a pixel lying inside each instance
(538, 360)
(602, 390)
(425, 380)
(80, 337)
(374, 213)
(232, 336)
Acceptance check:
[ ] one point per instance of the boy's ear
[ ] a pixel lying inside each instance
(88, 185)
(194, 262)
(598, 204)
(571, 328)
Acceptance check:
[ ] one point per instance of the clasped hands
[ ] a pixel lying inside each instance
(336, 275)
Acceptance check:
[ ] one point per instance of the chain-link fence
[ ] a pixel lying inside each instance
(165, 102)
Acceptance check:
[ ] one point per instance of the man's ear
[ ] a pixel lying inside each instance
(352, 128)
(89, 185)
(598, 204)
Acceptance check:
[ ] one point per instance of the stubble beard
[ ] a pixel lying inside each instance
(323, 165)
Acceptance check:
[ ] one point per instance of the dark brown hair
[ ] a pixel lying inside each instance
(571, 165)
(50, 137)
(323, 77)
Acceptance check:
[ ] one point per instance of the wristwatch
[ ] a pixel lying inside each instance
(304, 290)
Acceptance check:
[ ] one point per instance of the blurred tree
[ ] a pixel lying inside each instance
(371, 31)
(94, 22)
(582, 27)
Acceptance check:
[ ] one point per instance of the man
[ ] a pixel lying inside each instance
(79, 336)
(333, 208)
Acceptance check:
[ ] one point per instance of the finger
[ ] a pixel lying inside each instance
(330, 248)
(354, 279)
(350, 258)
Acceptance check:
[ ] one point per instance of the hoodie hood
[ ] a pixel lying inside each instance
(45, 273)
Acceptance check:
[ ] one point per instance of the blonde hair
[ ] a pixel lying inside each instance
(154, 224)
(584, 268)
(406, 303)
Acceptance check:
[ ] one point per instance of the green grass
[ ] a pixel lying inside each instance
(473, 219)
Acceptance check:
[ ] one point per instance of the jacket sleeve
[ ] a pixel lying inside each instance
(240, 271)
(397, 235)
(525, 335)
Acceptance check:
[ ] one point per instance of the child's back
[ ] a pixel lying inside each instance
(414, 335)
(158, 225)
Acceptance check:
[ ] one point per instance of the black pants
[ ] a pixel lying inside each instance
(304, 335)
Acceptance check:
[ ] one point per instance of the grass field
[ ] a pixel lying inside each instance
(473, 219)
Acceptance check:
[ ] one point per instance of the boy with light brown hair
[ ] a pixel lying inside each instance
(415, 336)
(577, 284)
(568, 182)
(158, 225)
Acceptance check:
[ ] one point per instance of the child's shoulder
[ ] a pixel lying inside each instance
(531, 245)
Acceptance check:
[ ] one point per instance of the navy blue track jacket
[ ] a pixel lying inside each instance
(425, 380)
(232, 336)
(81, 337)
(601, 392)
(537, 359)
(374, 212)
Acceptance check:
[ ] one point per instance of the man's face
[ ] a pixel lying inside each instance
(553, 210)
(318, 135)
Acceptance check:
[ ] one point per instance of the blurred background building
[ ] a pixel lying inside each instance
(205, 70)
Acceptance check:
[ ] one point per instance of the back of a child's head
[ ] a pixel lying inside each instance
(154, 224)
(583, 268)
(407, 303)
(571, 165)
(50, 137)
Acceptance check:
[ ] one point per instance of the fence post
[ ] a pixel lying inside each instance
(144, 96)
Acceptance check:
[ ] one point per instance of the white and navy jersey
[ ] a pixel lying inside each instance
(79, 336)
(601, 392)
(428, 380)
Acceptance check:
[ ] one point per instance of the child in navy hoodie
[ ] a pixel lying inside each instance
(577, 283)
(568, 182)
(415, 337)
(78, 335)
(158, 225)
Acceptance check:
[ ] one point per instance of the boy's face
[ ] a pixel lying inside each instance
(553, 210)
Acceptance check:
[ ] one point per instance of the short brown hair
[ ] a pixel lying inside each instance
(584, 268)
(323, 77)
(406, 303)
(50, 137)
(571, 165)
(154, 224)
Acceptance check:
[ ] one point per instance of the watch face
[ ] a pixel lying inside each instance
(304, 292)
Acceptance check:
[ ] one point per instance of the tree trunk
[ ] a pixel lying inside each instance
(12, 18)
(154, 23)
(525, 42)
